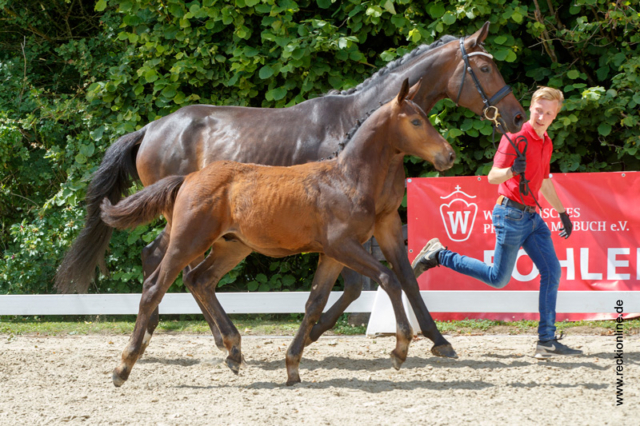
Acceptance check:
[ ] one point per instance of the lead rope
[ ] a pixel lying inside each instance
(524, 188)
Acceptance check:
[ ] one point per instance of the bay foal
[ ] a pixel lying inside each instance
(326, 207)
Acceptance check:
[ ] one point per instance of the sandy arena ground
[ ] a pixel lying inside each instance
(346, 381)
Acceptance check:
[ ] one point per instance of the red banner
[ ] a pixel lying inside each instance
(602, 253)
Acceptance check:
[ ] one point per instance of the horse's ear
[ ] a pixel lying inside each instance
(404, 91)
(478, 37)
(414, 89)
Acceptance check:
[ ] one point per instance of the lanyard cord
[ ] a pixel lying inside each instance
(523, 181)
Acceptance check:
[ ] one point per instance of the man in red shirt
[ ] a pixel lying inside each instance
(516, 222)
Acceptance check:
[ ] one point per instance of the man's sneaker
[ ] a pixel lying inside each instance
(553, 347)
(427, 258)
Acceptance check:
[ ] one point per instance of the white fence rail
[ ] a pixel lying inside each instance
(294, 302)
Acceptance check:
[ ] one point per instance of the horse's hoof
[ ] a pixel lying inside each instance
(397, 362)
(233, 365)
(293, 381)
(117, 380)
(444, 351)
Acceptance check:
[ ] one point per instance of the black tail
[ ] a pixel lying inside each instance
(111, 180)
(143, 206)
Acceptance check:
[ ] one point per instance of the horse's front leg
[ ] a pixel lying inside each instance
(352, 290)
(388, 232)
(324, 279)
(354, 256)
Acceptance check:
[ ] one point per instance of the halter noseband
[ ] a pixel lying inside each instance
(490, 111)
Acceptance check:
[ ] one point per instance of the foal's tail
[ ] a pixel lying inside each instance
(112, 179)
(144, 206)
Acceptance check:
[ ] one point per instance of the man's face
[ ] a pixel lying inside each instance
(543, 112)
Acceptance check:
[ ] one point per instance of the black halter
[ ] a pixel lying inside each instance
(490, 111)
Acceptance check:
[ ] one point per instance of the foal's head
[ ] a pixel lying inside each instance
(414, 133)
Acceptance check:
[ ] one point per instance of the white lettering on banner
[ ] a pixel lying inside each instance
(570, 264)
(489, 228)
(458, 221)
(488, 214)
(488, 259)
(613, 263)
(461, 217)
(593, 226)
(552, 213)
(516, 273)
(621, 226)
(584, 266)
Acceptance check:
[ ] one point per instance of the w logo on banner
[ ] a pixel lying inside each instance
(458, 216)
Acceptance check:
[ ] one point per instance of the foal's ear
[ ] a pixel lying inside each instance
(414, 89)
(404, 91)
(478, 37)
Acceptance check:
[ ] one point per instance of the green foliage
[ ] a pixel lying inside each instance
(78, 74)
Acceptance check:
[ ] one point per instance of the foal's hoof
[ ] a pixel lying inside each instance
(445, 351)
(396, 361)
(233, 365)
(293, 381)
(117, 380)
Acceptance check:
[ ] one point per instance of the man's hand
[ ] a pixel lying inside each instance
(519, 165)
(567, 226)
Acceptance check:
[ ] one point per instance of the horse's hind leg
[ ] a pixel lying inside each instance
(352, 290)
(324, 279)
(202, 281)
(354, 256)
(152, 255)
(217, 337)
(154, 289)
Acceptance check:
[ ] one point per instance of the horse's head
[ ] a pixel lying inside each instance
(476, 83)
(414, 133)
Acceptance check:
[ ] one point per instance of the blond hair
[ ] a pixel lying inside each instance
(548, 94)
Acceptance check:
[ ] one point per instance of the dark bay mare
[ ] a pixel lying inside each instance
(327, 207)
(194, 136)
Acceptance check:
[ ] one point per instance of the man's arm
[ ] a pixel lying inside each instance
(497, 176)
(549, 194)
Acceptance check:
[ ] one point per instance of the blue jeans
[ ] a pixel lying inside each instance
(514, 229)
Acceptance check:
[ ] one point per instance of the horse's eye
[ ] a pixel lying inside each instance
(416, 122)
(485, 69)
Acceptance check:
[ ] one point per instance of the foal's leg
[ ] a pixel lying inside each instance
(154, 289)
(217, 337)
(323, 280)
(354, 256)
(352, 290)
(388, 232)
(152, 255)
(203, 280)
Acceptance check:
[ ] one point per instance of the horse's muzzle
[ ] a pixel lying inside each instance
(444, 161)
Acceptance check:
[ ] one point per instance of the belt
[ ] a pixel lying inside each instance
(510, 203)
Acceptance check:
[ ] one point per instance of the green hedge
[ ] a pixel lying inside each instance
(81, 73)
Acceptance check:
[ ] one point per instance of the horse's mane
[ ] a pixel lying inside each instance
(350, 133)
(418, 51)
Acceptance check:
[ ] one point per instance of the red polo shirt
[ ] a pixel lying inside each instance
(538, 155)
